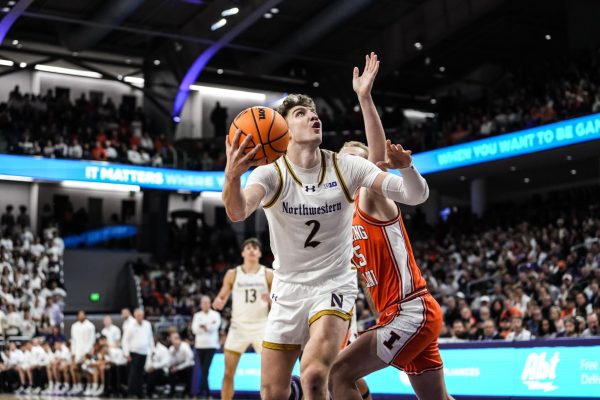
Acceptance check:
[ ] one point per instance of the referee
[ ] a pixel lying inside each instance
(138, 342)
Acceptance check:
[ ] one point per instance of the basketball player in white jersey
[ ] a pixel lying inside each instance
(307, 196)
(249, 285)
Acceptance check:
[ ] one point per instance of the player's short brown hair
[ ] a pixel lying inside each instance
(294, 100)
(252, 241)
(355, 143)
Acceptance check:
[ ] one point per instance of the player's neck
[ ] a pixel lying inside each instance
(303, 156)
(250, 267)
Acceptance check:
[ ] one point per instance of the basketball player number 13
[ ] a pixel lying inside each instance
(309, 242)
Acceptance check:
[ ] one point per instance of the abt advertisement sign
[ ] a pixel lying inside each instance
(535, 372)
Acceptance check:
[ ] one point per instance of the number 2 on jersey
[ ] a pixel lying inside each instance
(309, 242)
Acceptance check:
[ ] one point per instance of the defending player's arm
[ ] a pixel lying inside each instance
(410, 188)
(370, 201)
(240, 203)
(221, 299)
(362, 85)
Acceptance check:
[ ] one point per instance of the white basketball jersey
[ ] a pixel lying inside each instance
(248, 307)
(310, 223)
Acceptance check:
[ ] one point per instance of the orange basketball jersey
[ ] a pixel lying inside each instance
(384, 258)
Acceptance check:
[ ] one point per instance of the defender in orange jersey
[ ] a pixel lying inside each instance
(410, 319)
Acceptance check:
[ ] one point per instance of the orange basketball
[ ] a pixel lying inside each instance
(267, 127)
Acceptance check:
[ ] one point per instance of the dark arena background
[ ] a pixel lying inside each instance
(113, 117)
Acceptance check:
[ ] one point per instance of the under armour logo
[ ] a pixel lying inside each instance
(274, 297)
(308, 188)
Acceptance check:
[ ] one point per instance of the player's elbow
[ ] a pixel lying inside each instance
(422, 198)
(235, 215)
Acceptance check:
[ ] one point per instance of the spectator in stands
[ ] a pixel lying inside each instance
(489, 331)
(205, 325)
(518, 331)
(111, 332)
(593, 327)
(127, 319)
(138, 342)
(8, 219)
(134, 156)
(23, 220)
(571, 329)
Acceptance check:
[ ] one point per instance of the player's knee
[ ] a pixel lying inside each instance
(274, 392)
(314, 377)
(228, 376)
(339, 372)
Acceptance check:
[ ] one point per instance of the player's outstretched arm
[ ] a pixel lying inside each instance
(221, 299)
(362, 85)
(239, 204)
(409, 189)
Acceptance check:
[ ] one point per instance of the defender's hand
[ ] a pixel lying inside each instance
(396, 157)
(238, 162)
(362, 84)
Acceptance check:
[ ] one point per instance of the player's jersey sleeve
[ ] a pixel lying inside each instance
(358, 172)
(267, 177)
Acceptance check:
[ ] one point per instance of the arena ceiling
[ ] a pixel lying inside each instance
(307, 43)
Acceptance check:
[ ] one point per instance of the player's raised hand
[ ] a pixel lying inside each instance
(362, 84)
(396, 157)
(218, 303)
(237, 161)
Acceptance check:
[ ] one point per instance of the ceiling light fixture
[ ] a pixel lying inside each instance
(230, 11)
(239, 94)
(418, 46)
(268, 15)
(219, 24)
(67, 71)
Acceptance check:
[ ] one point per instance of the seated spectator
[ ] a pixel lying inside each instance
(593, 328)
(489, 331)
(518, 332)
(571, 329)
(134, 156)
(75, 150)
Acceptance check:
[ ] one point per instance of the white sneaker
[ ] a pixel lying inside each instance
(99, 391)
(20, 390)
(49, 389)
(76, 389)
(36, 391)
(62, 389)
(28, 390)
